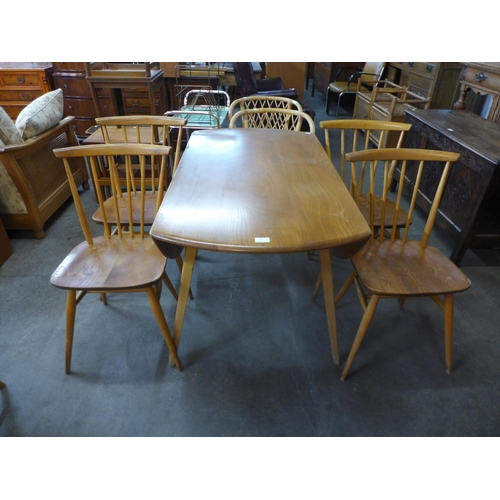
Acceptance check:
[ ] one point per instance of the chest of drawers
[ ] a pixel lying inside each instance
(78, 102)
(21, 83)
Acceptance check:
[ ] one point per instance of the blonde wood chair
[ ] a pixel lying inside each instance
(120, 262)
(348, 135)
(405, 267)
(273, 118)
(260, 101)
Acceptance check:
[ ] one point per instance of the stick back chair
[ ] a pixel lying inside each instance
(120, 261)
(392, 267)
(274, 118)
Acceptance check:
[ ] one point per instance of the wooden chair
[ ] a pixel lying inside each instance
(356, 135)
(121, 262)
(262, 101)
(138, 129)
(275, 118)
(402, 268)
(362, 75)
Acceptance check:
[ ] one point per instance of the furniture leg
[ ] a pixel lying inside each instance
(178, 259)
(70, 326)
(187, 273)
(448, 330)
(171, 288)
(327, 279)
(162, 323)
(360, 335)
(2, 385)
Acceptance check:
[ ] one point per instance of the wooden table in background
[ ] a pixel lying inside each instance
(258, 191)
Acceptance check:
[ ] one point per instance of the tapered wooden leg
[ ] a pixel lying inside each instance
(317, 287)
(70, 326)
(187, 274)
(104, 299)
(2, 385)
(348, 283)
(167, 282)
(327, 279)
(360, 335)
(178, 259)
(162, 323)
(448, 331)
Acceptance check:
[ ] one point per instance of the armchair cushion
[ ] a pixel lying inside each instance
(43, 113)
(9, 134)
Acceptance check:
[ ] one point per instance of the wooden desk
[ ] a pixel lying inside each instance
(470, 209)
(258, 191)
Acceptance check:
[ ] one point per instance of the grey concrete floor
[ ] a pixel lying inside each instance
(255, 351)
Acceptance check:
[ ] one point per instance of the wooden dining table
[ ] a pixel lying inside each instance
(258, 191)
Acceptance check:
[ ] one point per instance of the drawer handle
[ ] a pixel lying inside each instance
(480, 77)
(26, 97)
(70, 107)
(106, 108)
(65, 86)
(135, 102)
(21, 80)
(429, 68)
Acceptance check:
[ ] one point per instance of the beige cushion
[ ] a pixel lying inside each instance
(41, 114)
(9, 134)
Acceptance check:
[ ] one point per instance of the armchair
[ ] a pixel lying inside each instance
(33, 182)
(249, 85)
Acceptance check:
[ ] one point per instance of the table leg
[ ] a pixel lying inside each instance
(325, 260)
(187, 273)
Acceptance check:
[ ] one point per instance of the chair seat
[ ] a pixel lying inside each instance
(403, 269)
(342, 87)
(109, 207)
(111, 264)
(364, 206)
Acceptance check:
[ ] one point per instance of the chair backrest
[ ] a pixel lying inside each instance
(245, 78)
(275, 118)
(355, 135)
(260, 101)
(373, 71)
(144, 129)
(122, 195)
(414, 166)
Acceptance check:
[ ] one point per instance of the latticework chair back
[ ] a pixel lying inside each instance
(415, 167)
(122, 205)
(273, 118)
(259, 101)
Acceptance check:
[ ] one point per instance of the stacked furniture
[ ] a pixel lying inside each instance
(70, 77)
(21, 83)
(436, 81)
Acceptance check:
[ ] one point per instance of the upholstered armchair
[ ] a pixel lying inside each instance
(249, 85)
(33, 182)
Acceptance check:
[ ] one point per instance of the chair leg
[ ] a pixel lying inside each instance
(171, 288)
(327, 107)
(70, 326)
(162, 323)
(345, 287)
(338, 105)
(448, 330)
(179, 265)
(360, 335)
(2, 385)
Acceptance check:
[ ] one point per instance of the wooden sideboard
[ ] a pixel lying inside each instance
(481, 78)
(436, 81)
(78, 102)
(21, 83)
(470, 208)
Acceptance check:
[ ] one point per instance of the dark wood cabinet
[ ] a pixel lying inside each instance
(470, 208)
(78, 102)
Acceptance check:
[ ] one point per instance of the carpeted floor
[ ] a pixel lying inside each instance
(255, 351)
